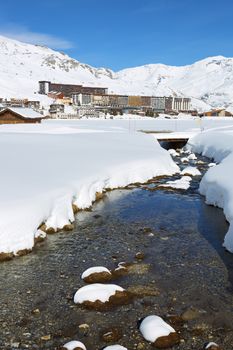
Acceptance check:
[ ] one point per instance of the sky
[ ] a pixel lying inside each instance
(123, 33)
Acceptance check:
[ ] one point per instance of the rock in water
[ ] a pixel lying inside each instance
(212, 346)
(155, 330)
(99, 296)
(96, 274)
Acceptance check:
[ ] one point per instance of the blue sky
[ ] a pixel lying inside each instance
(124, 33)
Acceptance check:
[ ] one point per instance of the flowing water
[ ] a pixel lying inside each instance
(184, 271)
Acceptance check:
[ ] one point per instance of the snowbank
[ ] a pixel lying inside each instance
(45, 168)
(217, 183)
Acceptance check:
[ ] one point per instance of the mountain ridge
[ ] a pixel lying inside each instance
(209, 82)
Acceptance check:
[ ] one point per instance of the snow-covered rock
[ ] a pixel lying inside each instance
(180, 184)
(210, 165)
(173, 152)
(115, 347)
(96, 291)
(96, 274)
(212, 346)
(184, 160)
(74, 345)
(217, 185)
(191, 171)
(155, 330)
(192, 156)
(96, 295)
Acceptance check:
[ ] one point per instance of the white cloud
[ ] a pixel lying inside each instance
(25, 35)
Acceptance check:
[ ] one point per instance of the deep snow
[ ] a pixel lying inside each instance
(217, 185)
(45, 168)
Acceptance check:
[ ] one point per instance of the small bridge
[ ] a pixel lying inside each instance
(173, 139)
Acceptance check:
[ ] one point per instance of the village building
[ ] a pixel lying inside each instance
(82, 99)
(100, 100)
(123, 101)
(180, 104)
(158, 104)
(55, 109)
(33, 104)
(18, 115)
(217, 113)
(135, 101)
(168, 104)
(113, 101)
(55, 95)
(45, 87)
(146, 101)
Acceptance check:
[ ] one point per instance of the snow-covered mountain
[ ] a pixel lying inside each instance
(209, 82)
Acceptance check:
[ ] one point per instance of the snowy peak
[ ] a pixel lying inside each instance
(208, 81)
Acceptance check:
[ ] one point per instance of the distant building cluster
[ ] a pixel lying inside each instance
(98, 97)
(72, 101)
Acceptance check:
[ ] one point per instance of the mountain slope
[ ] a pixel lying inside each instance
(208, 82)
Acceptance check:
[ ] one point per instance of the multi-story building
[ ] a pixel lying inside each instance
(146, 101)
(158, 104)
(100, 100)
(122, 101)
(55, 109)
(168, 104)
(180, 104)
(82, 99)
(113, 101)
(68, 89)
(135, 101)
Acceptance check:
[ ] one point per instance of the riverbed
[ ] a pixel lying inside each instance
(184, 275)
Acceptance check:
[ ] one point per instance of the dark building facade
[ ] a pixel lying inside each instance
(68, 89)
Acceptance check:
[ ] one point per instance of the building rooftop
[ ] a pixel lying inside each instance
(24, 112)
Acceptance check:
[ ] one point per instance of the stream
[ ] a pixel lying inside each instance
(183, 275)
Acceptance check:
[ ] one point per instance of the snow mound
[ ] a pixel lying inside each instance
(56, 169)
(181, 184)
(173, 152)
(73, 344)
(190, 170)
(210, 165)
(192, 156)
(184, 160)
(96, 291)
(216, 185)
(154, 327)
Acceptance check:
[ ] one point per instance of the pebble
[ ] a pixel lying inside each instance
(46, 337)
(84, 328)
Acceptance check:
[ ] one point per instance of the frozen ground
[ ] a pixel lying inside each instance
(194, 124)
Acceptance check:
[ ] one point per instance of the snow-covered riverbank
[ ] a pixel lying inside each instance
(217, 184)
(45, 168)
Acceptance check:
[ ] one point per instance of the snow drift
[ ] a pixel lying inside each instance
(45, 169)
(217, 185)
